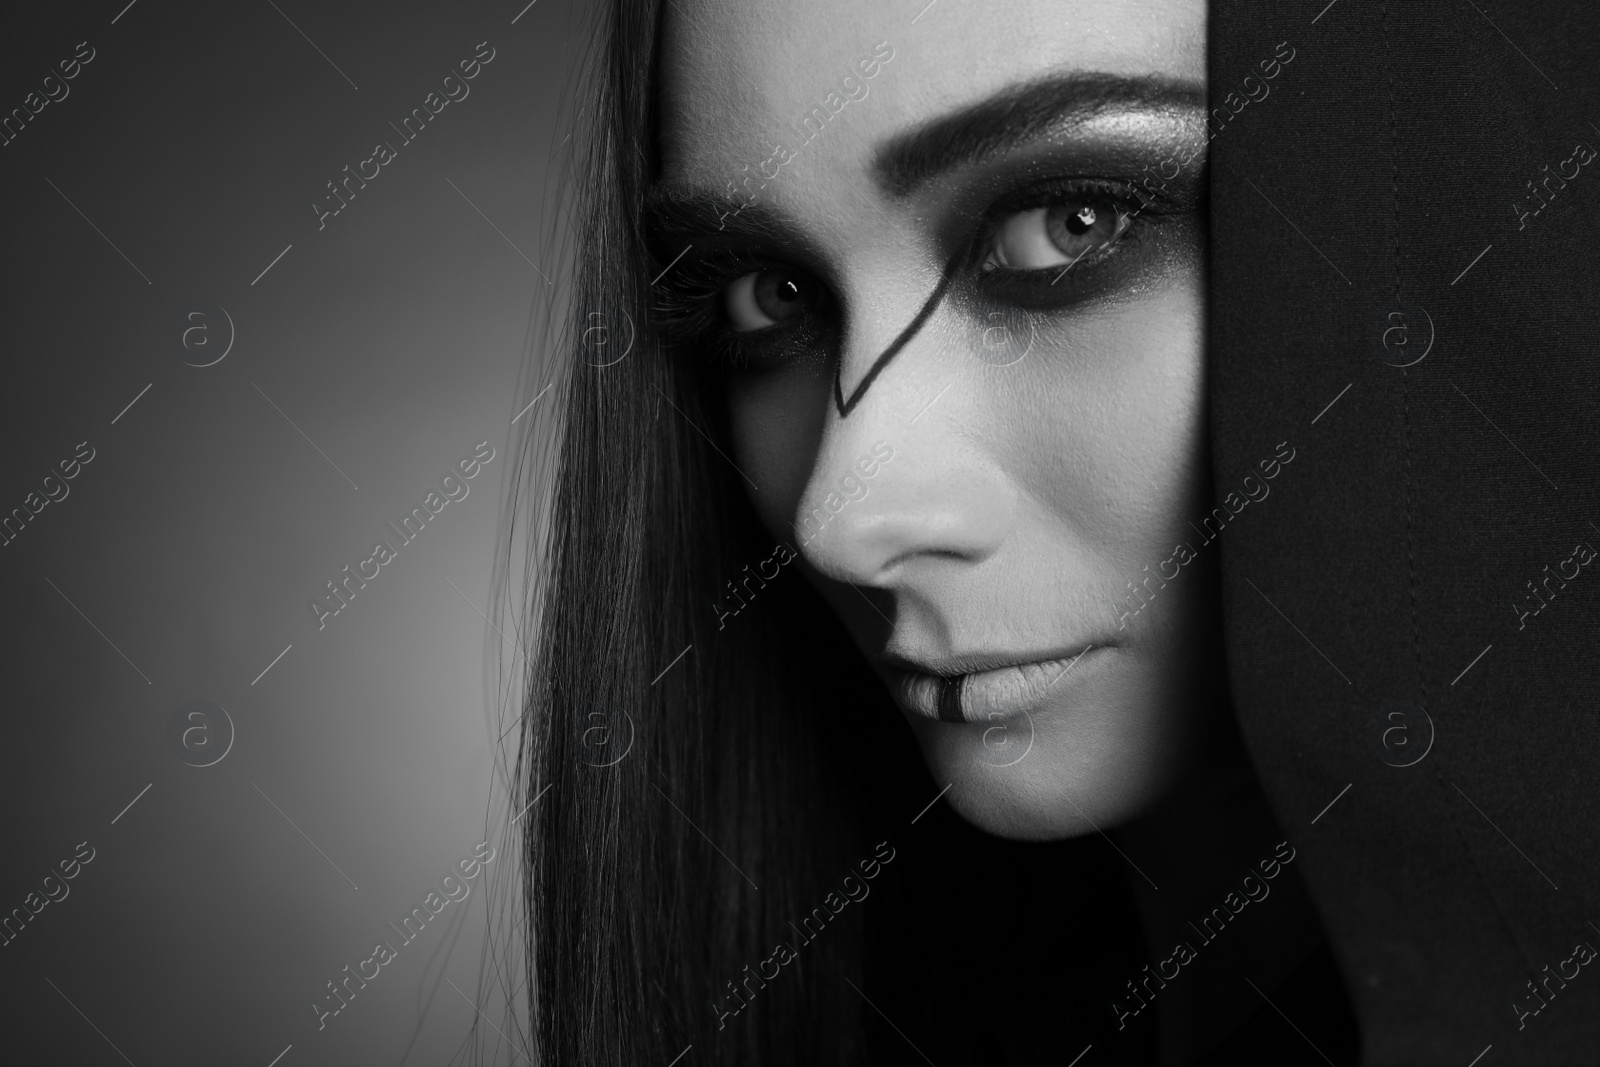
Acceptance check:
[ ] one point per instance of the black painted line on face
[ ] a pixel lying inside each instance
(950, 699)
(844, 406)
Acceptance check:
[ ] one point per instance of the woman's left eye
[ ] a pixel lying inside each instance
(1057, 235)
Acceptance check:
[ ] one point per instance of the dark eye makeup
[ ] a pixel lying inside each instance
(1049, 245)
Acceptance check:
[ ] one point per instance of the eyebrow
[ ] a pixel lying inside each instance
(671, 210)
(1016, 116)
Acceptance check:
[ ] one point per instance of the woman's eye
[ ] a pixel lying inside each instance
(765, 298)
(1058, 235)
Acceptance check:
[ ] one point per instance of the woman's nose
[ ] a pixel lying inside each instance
(903, 477)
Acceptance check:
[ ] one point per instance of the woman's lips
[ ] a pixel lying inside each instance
(984, 695)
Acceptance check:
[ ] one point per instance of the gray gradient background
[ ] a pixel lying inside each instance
(196, 140)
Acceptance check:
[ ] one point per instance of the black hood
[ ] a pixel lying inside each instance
(1403, 277)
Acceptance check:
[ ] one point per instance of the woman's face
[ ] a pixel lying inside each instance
(949, 260)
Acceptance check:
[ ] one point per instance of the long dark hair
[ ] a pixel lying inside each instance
(758, 766)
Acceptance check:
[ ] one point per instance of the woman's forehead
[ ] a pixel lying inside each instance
(742, 77)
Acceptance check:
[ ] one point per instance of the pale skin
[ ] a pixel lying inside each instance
(1021, 502)
(1023, 496)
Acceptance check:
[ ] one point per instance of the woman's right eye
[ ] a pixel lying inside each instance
(764, 298)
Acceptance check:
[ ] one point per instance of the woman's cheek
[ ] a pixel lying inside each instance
(776, 419)
(1099, 419)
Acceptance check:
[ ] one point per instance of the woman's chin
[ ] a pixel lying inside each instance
(1016, 811)
(1048, 781)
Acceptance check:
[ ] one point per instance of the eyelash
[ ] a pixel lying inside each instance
(691, 313)
(1054, 191)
